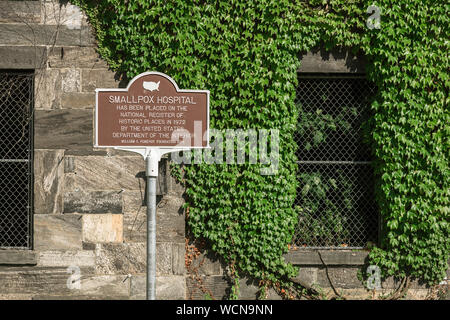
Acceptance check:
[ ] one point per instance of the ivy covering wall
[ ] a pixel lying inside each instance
(246, 54)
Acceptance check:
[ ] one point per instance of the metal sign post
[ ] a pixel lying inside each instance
(152, 158)
(150, 117)
(151, 173)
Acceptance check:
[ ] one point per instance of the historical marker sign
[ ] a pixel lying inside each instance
(152, 112)
(152, 116)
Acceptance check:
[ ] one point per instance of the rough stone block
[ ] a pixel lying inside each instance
(207, 264)
(54, 232)
(47, 87)
(163, 258)
(111, 173)
(107, 173)
(16, 296)
(64, 129)
(345, 278)
(45, 281)
(77, 100)
(249, 290)
(80, 258)
(307, 276)
(62, 14)
(329, 257)
(23, 57)
(173, 186)
(167, 288)
(102, 228)
(49, 181)
(87, 297)
(170, 288)
(218, 287)
(178, 259)
(392, 283)
(93, 202)
(87, 151)
(33, 280)
(41, 35)
(215, 286)
(120, 258)
(75, 57)
(18, 257)
(170, 221)
(138, 286)
(135, 215)
(71, 81)
(130, 258)
(104, 286)
(133, 201)
(134, 224)
(98, 78)
(20, 11)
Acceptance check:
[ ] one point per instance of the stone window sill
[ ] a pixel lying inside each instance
(18, 257)
(329, 257)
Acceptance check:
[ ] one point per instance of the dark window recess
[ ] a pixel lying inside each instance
(335, 197)
(16, 146)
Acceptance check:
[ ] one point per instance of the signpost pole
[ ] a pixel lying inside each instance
(130, 119)
(151, 160)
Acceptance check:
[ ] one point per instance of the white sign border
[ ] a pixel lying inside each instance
(141, 149)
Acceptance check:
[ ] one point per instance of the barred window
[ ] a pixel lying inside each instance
(16, 153)
(335, 198)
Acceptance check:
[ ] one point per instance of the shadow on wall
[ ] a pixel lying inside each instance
(340, 60)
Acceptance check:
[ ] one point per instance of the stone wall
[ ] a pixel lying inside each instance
(89, 206)
(328, 272)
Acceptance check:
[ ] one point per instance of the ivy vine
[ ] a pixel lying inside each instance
(246, 54)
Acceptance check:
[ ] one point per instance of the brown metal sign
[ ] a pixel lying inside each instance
(152, 112)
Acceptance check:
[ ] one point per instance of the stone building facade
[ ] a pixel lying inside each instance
(89, 215)
(89, 209)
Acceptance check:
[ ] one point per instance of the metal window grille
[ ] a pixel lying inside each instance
(335, 198)
(16, 159)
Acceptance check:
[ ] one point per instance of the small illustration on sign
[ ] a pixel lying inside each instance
(151, 86)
